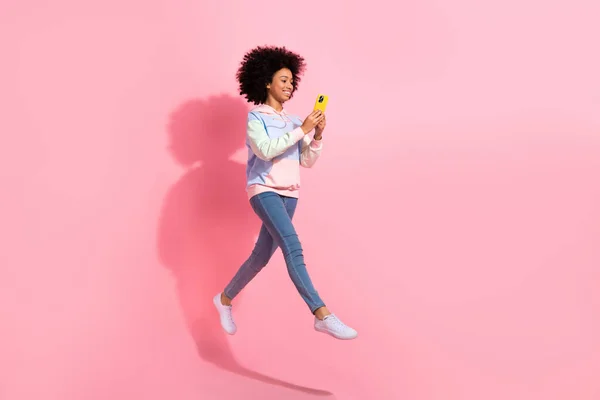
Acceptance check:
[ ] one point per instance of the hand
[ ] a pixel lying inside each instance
(320, 128)
(312, 121)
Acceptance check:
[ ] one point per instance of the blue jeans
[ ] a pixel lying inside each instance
(276, 213)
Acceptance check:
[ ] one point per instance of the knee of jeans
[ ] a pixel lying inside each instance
(292, 245)
(259, 261)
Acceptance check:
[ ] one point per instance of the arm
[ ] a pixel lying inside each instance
(266, 148)
(311, 150)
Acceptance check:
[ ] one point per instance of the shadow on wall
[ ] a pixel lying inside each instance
(207, 227)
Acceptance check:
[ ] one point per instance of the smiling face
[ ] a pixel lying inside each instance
(280, 89)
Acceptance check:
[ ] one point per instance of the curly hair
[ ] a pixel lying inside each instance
(258, 67)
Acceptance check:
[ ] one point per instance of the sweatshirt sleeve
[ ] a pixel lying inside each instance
(266, 148)
(311, 151)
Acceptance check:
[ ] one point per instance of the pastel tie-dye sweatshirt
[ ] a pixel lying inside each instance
(277, 147)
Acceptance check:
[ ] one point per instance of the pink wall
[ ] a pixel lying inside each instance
(454, 219)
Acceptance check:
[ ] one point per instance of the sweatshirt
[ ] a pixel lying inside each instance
(277, 147)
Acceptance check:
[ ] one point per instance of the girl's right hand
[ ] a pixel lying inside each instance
(312, 120)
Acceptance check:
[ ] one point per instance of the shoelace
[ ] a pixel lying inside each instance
(335, 322)
(229, 315)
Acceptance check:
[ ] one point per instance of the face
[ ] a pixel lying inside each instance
(281, 87)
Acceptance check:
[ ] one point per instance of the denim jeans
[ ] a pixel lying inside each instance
(276, 213)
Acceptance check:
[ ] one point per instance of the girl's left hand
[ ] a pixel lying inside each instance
(320, 127)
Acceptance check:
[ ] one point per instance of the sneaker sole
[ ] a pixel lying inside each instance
(334, 335)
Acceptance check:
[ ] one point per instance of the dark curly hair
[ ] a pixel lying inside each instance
(258, 67)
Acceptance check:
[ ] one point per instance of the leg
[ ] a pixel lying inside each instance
(273, 210)
(277, 212)
(260, 256)
(263, 251)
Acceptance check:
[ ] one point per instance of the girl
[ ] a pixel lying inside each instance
(278, 144)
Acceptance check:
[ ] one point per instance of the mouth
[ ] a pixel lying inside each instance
(288, 93)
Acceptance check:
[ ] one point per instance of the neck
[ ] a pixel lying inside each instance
(274, 103)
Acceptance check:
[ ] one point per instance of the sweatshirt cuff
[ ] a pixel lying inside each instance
(316, 144)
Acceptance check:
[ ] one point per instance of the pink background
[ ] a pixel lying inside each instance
(454, 218)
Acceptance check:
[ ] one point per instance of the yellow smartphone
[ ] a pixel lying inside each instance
(321, 103)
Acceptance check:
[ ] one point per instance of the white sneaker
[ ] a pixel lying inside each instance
(334, 327)
(225, 314)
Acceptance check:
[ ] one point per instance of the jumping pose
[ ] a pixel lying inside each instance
(278, 145)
